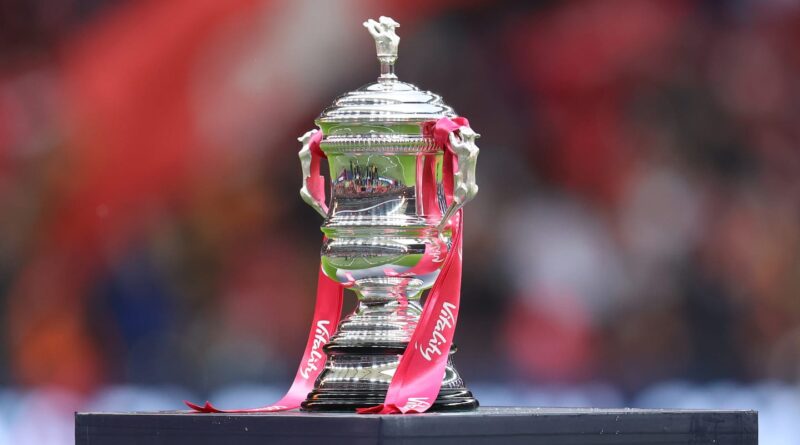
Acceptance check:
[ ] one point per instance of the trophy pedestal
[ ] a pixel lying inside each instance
(550, 426)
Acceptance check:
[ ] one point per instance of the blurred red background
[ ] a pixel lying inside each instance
(638, 220)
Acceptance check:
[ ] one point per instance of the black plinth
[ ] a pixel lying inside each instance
(547, 426)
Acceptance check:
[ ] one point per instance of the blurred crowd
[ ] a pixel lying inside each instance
(638, 217)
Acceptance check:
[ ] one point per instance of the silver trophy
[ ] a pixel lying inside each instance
(380, 221)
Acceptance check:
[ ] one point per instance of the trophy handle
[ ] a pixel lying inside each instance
(306, 160)
(464, 187)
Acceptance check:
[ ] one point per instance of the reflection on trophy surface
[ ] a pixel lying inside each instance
(386, 227)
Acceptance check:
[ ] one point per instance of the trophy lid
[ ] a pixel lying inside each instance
(388, 99)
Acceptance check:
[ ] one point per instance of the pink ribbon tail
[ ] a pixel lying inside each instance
(209, 408)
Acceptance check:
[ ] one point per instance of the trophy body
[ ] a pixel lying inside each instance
(386, 232)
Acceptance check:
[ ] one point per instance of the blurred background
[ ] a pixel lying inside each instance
(636, 239)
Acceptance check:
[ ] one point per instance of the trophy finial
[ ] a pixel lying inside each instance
(386, 43)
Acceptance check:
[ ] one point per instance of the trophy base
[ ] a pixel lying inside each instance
(359, 377)
(456, 399)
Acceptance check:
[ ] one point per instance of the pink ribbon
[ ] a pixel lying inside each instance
(418, 379)
(316, 182)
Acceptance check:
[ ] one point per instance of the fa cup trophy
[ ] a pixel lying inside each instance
(402, 165)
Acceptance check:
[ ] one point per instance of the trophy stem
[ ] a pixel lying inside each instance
(364, 353)
(387, 70)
